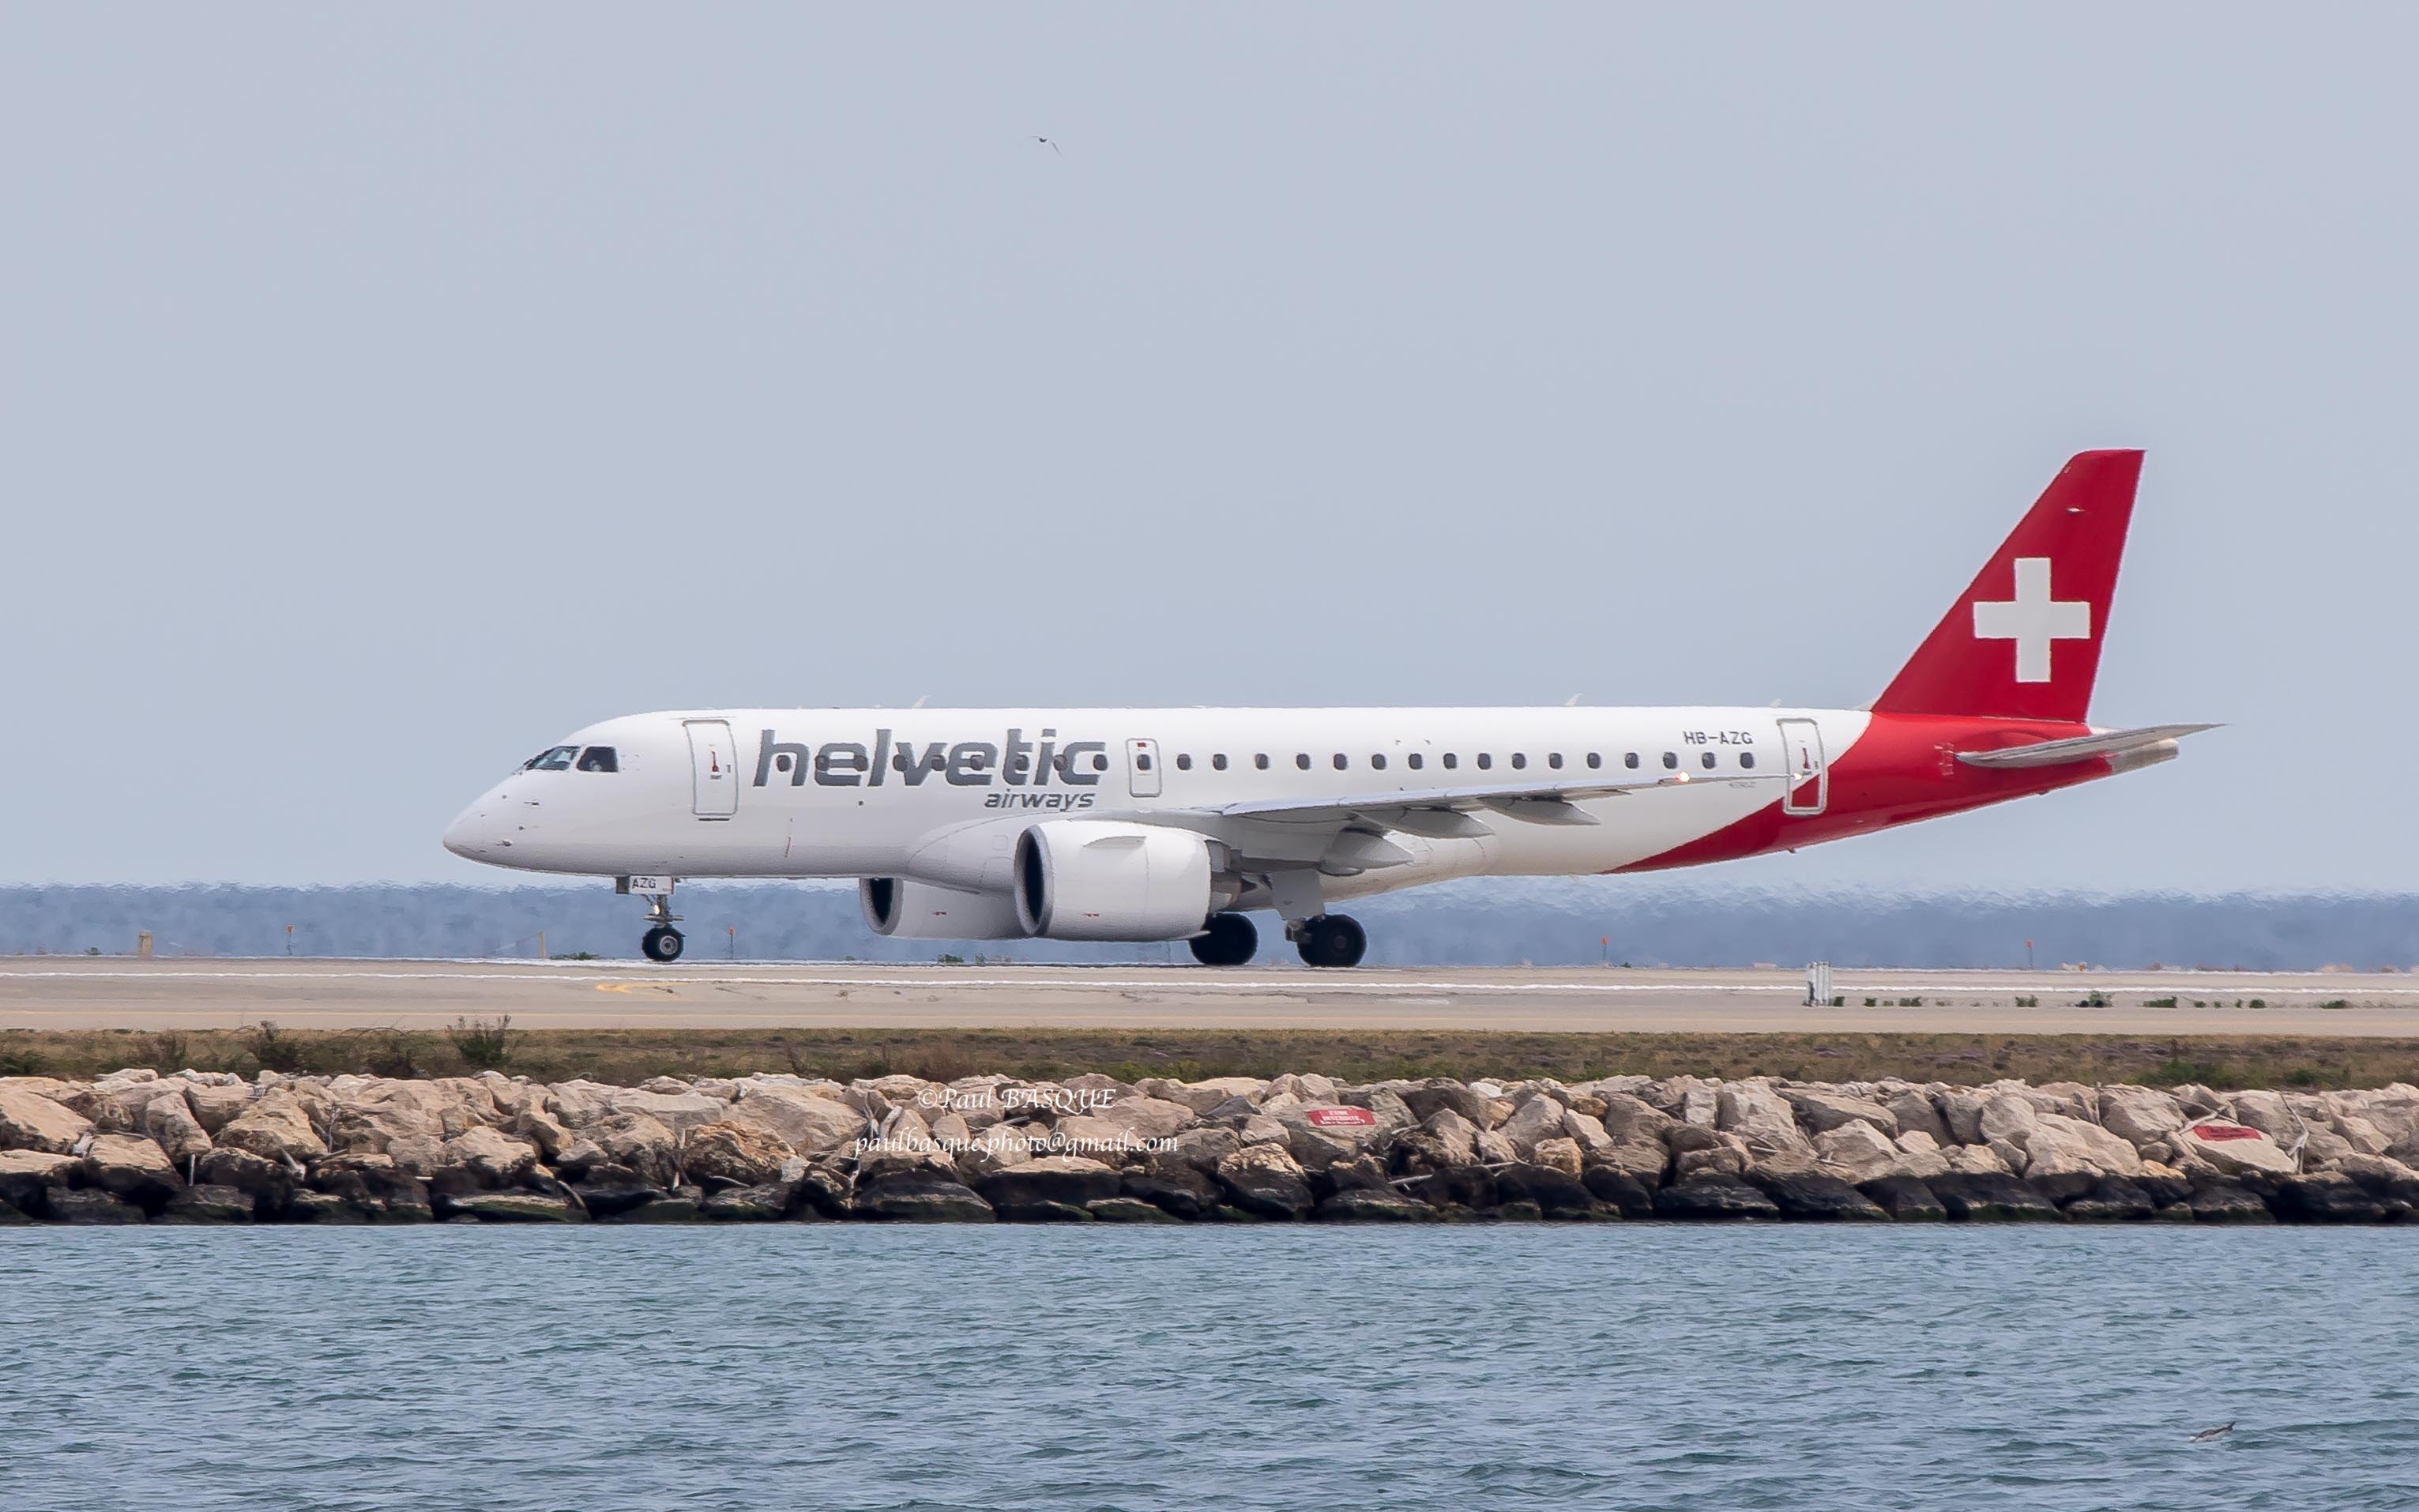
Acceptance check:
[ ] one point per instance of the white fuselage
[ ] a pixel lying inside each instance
(941, 795)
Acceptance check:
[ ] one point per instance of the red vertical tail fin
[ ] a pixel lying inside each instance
(2022, 641)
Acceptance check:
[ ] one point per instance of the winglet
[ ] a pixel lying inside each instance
(2023, 641)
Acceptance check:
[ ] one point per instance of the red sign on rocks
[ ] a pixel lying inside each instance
(2225, 1131)
(1341, 1118)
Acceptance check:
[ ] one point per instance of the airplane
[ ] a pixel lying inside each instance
(1134, 824)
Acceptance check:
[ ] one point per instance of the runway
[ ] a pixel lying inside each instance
(74, 993)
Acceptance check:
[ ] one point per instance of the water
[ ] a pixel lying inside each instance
(1008, 1368)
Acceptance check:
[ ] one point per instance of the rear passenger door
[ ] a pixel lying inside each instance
(1809, 780)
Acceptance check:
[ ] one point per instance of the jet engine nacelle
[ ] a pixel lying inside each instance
(1096, 879)
(901, 909)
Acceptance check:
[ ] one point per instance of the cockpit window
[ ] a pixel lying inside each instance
(600, 759)
(556, 760)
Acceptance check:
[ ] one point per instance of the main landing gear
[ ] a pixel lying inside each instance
(1331, 940)
(1324, 939)
(1231, 940)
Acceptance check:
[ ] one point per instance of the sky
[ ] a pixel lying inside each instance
(386, 391)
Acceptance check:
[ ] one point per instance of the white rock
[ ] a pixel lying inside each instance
(677, 1111)
(1539, 1118)
(2139, 1115)
(1561, 1153)
(1204, 1095)
(2068, 1156)
(1823, 1110)
(276, 1126)
(1856, 1151)
(217, 1104)
(1147, 1117)
(1259, 1129)
(29, 1120)
(813, 1124)
(1976, 1160)
(1585, 1131)
(2236, 1156)
(1762, 1117)
(1458, 1135)
(1961, 1109)
(1914, 1111)
(169, 1122)
(2007, 1118)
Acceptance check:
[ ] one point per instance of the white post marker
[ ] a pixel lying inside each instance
(1818, 985)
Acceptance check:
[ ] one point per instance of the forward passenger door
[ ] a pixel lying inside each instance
(1142, 768)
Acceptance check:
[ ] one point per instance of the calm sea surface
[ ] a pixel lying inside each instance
(853, 1366)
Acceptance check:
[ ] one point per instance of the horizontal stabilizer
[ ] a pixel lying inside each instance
(2058, 752)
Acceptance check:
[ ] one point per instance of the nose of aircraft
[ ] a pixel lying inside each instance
(472, 833)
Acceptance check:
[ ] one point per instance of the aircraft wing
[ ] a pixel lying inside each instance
(2058, 752)
(1444, 811)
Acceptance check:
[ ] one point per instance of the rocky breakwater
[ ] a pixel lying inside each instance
(209, 1147)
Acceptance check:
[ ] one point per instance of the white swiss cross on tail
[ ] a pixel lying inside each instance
(2033, 620)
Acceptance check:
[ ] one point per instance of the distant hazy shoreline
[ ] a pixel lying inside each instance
(1646, 921)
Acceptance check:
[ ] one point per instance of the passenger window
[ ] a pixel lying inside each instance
(1555, 761)
(555, 759)
(1520, 761)
(1377, 763)
(1340, 762)
(600, 759)
(1747, 761)
(1485, 760)
(1261, 760)
(1709, 761)
(1412, 761)
(1451, 760)
(1302, 759)
(1631, 760)
(1184, 761)
(1218, 763)
(1101, 761)
(1671, 760)
(1595, 760)
(1142, 760)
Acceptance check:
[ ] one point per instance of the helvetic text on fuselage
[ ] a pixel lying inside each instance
(1016, 761)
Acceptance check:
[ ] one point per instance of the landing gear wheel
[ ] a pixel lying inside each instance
(1232, 941)
(1332, 940)
(662, 944)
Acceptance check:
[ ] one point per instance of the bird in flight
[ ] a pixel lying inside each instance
(2218, 1432)
(1047, 143)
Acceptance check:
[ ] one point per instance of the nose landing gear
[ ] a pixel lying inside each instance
(662, 943)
